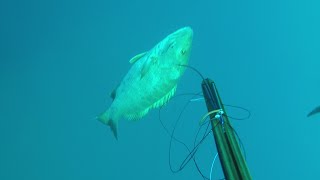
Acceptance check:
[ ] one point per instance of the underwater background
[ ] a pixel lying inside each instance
(61, 59)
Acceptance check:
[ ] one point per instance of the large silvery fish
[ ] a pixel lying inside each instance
(151, 81)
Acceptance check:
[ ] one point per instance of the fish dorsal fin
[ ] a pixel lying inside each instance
(137, 57)
(113, 94)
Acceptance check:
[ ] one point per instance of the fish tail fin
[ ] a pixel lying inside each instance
(106, 118)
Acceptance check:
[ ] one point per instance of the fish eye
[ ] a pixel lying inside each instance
(172, 44)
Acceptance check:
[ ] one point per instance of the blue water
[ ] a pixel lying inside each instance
(61, 59)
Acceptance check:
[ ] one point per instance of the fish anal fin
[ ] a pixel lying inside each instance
(137, 57)
(137, 116)
(165, 98)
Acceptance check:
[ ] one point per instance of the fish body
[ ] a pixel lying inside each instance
(151, 81)
(314, 111)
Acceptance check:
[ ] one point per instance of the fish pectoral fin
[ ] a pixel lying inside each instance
(137, 57)
(147, 65)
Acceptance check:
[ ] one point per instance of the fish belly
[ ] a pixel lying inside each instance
(140, 96)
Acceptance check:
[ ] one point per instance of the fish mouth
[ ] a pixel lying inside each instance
(185, 33)
(187, 42)
(184, 38)
(178, 44)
